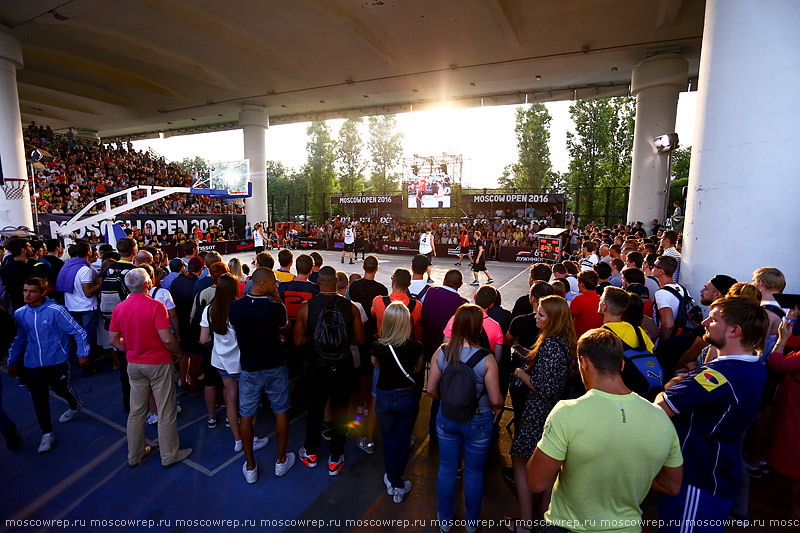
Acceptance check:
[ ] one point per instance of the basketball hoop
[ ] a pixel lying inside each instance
(14, 188)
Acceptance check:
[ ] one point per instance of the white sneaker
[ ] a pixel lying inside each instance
(46, 444)
(179, 409)
(399, 494)
(237, 446)
(259, 442)
(251, 476)
(68, 415)
(389, 488)
(282, 468)
(152, 419)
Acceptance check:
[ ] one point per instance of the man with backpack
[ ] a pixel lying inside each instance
(675, 313)
(419, 286)
(113, 291)
(331, 323)
(641, 372)
(401, 280)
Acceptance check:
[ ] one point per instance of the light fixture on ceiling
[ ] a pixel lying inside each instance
(58, 16)
(538, 77)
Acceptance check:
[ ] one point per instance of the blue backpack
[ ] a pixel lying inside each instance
(642, 372)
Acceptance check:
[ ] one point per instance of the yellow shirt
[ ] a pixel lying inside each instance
(283, 276)
(625, 331)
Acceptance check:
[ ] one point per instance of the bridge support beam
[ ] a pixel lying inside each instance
(254, 122)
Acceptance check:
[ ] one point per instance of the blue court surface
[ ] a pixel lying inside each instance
(84, 483)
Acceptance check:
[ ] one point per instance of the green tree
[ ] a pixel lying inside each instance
(194, 164)
(386, 148)
(680, 163)
(349, 156)
(533, 170)
(600, 151)
(319, 169)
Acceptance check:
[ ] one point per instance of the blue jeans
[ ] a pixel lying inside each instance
(397, 411)
(5, 423)
(88, 321)
(474, 437)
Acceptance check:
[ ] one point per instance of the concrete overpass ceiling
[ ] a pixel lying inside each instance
(137, 67)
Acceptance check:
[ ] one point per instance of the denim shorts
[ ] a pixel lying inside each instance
(375, 382)
(273, 381)
(225, 375)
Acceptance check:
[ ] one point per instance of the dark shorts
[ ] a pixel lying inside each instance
(259, 249)
(429, 255)
(348, 247)
(479, 267)
(211, 377)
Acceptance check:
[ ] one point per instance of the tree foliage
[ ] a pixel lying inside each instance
(197, 164)
(386, 148)
(601, 150)
(533, 170)
(349, 157)
(319, 169)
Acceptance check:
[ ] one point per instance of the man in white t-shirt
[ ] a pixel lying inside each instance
(668, 241)
(349, 242)
(427, 249)
(666, 304)
(82, 301)
(590, 259)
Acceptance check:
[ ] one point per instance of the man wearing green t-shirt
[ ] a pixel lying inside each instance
(605, 450)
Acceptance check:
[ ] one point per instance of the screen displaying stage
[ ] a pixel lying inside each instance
(430, 179)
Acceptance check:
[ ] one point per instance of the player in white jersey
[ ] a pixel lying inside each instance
(349, 242)
(427, 249)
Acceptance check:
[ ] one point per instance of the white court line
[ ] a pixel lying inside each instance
(64, 484)
(515, 277)
(88, 493)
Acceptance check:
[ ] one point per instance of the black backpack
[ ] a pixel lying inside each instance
(642, 373)
(331, 341)
(113, 289)
(689, 316)
(412, 304)
(420, 295)
(457, 388)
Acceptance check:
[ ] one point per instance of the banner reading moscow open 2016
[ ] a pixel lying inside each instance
(358, 200)
(158, 224)
(513, 198)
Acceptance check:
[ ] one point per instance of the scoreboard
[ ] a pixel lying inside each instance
(549, 248)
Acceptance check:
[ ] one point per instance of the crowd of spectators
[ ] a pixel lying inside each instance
(584, 416)
(75, 171)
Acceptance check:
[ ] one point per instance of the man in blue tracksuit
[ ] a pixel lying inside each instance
(44, 329)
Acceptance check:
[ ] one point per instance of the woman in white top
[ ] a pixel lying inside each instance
(258, 238)
(225, 353)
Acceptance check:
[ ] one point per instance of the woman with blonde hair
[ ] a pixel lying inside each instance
(398, 357)
(544, 375)
(458, 429)
(235, 268)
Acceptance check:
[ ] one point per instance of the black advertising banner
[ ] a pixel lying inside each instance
(359, 200)
(520, 255)
(512, 198)
(158, 224)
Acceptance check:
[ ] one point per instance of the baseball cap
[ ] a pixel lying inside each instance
(722, 283)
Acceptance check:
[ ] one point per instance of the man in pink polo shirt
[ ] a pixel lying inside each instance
(484, 298)
(140, 328)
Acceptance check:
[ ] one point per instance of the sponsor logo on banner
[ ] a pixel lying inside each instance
(529, 256)
(244, 245)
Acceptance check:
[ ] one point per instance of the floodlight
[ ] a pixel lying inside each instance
(667, 143)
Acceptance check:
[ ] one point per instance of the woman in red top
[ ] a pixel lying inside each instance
(784, 418)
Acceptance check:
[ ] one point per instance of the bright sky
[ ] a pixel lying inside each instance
(483, 136)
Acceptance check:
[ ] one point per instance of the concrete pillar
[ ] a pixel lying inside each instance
(656, 84)
(743, 180)
(254, 122)
(12, 148)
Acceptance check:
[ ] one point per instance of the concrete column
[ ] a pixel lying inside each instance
(656, 83)
(254, 122)
(12, 148)
(743, 181)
